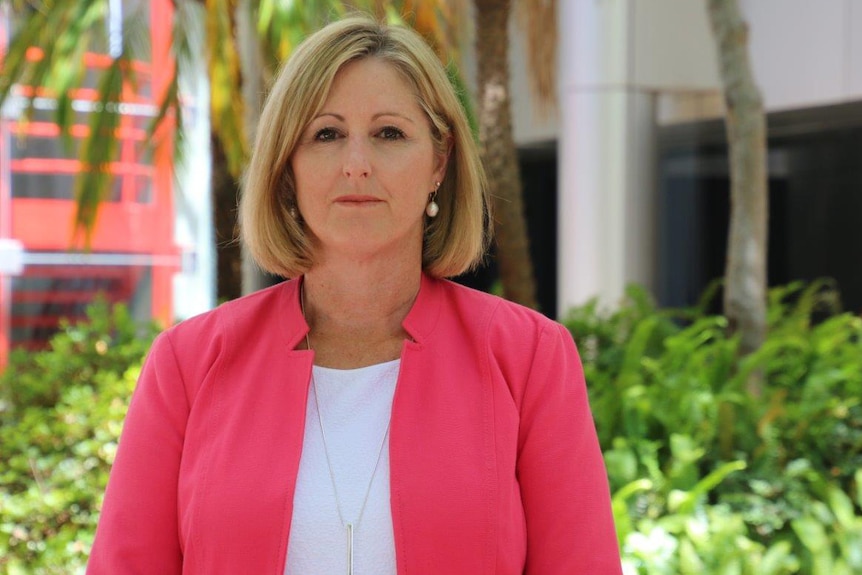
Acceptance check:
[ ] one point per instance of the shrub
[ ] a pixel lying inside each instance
(61, 411)
(768, 481)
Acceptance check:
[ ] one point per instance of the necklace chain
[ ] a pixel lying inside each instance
(329, 462)
(348, 525)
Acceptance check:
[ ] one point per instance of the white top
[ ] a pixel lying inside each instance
(355, 405)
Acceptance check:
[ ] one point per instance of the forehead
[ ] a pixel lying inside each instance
(371, 83)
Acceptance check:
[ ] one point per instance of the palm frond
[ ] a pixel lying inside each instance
(50, 54)
(47, 54)
(99, 149)
(282, 25)
(226, 102)
(539, 20)
(187, 37)
(66, 69)
(438, 21)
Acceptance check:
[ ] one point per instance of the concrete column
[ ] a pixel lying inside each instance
(606, 157)
(194, 288)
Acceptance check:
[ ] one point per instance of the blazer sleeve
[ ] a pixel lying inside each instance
(564, 485)
(138, 526)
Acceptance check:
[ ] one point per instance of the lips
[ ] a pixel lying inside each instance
(358, 200)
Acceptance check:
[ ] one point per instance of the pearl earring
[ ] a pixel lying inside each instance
(432, 209)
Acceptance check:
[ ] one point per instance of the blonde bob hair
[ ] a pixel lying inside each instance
(455, 241)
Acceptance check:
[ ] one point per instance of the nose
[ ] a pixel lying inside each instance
(356, 163)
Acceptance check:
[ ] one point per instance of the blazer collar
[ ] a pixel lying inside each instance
(293, 327)
(422, 317)
(419, 322)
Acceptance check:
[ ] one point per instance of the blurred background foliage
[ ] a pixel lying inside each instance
(705, 477)
(708, 478)
(61, 412)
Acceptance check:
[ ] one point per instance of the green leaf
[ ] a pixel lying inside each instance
(686, 502)
(811, 533)
(778, 560)
(689, 561)
(842, 507)
(99, 149)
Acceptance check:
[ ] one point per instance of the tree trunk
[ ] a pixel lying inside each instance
(228, 256)
(251, 67)
(498, 151)
(745, 274)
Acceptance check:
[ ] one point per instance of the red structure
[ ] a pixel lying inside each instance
(132, 256)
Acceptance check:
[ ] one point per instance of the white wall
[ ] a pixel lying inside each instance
(801, 51)
(804, 53)
(529, 123)
(671, 45)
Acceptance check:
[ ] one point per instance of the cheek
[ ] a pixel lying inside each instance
(411, 187)
(310, 175)
(417, 172)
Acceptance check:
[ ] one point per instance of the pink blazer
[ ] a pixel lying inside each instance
(495, 465)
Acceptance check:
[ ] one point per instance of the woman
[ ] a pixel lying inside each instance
(367, 415)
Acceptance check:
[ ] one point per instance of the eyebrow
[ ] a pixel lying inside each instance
(340, 118)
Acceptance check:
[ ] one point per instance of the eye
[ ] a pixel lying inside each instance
(391, 133)
(326, 135)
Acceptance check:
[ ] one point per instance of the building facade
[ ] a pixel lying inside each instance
(626, 181)
(632, 171)
(141, 246)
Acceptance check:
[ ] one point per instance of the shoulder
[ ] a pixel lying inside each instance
(251, 312)
(517, 342)
(196, 347)
(500, 319)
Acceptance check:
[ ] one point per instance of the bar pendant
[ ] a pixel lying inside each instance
(350, 549)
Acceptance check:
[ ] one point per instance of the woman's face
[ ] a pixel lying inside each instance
(365, 165)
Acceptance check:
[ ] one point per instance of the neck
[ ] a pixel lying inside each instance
(355, 309)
